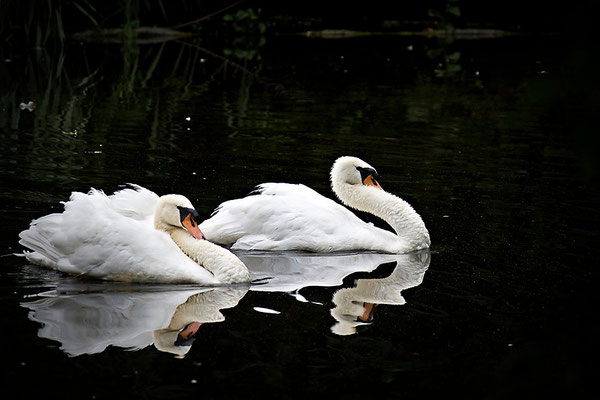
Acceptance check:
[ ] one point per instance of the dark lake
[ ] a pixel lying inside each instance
(489, 139)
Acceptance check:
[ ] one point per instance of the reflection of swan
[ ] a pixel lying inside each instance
(294, 217)
(288, 272)
(86, 321)
(114, 238)
(88, 318)
(200, 308)
(355, 306)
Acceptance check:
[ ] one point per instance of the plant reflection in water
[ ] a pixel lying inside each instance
(87, 318)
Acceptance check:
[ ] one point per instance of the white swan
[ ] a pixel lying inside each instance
(283, 216)
(133, 236)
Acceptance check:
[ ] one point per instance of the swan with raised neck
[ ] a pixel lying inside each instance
(349, 177)
(175, 215)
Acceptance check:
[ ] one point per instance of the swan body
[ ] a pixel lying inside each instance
(133, 236)
(282, 216)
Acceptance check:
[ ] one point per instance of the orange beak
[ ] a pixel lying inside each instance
(370, 181)
(192, 227)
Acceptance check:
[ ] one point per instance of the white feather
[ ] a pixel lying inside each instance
(282, 216)
(113, 238)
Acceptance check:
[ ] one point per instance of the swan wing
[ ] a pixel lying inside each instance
(137, 203)
(281, 216)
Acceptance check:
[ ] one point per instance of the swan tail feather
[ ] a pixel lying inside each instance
(37, 239)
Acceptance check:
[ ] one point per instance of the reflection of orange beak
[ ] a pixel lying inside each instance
(368, 314)
(192, 227)
(190, 330)
(370, 181)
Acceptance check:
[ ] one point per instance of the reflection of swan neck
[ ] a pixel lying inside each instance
(353, 304)
(396, 212)
(198, 309)
(225, 266)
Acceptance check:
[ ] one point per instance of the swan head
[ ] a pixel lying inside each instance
(348, 170)
(175, 211)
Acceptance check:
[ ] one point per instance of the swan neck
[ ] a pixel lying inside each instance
(400, 215)
(223, 264)
(185, 242)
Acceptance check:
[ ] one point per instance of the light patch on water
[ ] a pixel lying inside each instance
(266, 310)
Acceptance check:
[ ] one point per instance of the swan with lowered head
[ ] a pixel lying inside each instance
(133, 236)
(282, 216)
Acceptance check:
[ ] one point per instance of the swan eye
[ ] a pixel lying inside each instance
(190, 219)
(369, 177)
(185, 211)
(365, 173)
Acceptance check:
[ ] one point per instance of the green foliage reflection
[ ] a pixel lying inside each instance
(249, 34)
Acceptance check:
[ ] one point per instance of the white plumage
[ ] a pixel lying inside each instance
(281, 216)
(132, 235)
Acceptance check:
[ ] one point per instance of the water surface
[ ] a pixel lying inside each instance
(496, 156)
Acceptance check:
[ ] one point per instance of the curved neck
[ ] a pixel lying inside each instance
(405, 221)
(223, 264)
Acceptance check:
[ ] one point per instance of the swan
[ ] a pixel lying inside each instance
(133, 236)
(283, 216)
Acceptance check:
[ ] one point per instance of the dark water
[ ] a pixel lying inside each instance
(498, 156)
